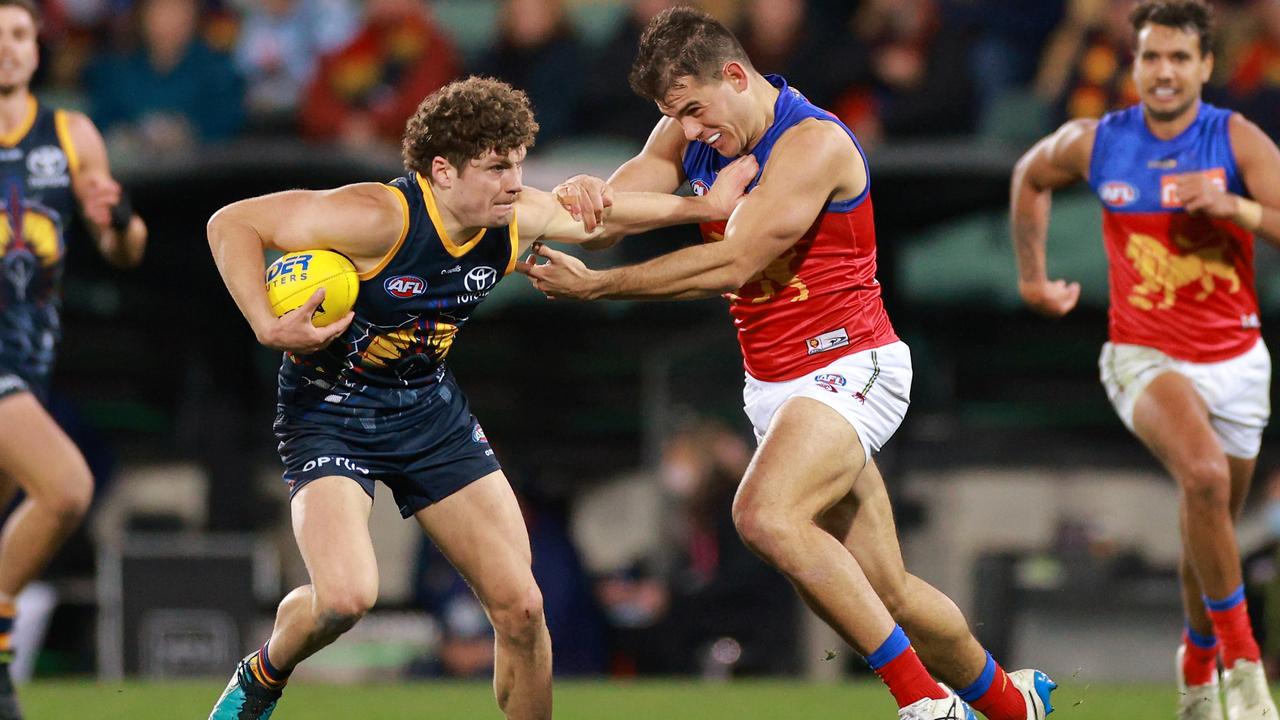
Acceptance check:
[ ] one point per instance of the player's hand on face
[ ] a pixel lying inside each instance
(1201, 196)
(294, 331)
(731, 184)
(98, 193)
(561, 276)
(585, 197)
(1051, 298)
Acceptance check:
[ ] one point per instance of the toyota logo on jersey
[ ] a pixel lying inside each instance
(481, 278)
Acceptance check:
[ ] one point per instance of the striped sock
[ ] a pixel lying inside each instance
(264, 672)
(898, 666)
(1200, 659)
(8, 611)
(1230, 617)
(993, 695)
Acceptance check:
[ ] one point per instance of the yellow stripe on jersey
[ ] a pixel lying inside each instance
(64, 137)
(453, 249)
(404, 233)
(515, 244)
(16, 135)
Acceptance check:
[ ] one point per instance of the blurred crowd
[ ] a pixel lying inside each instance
(162, 75)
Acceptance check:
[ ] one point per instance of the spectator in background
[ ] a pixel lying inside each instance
(538, 52)
(1084, 69)
(1253, 82)
(173, 92)
(608, 101)
(782, 37)
(363, 93)
(279, 46)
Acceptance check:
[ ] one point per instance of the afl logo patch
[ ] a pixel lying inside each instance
(700, 187)
(477, 435)
(480, 278)
(830, 379)
(405, 286)
(1118, 193)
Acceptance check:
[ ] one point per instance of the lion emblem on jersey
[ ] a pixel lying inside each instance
(1163, 272)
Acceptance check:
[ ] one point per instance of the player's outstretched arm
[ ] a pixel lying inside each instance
(543, 217)
(1258, 160)
(362, 221)
(1056, 161)
(809, 163)
(121, 236)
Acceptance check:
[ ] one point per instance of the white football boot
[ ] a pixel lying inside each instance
(1035, 687)
(1248, 695)
(950, 707)
(1197, 702)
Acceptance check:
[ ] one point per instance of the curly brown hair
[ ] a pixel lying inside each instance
(466, 119)
(28, 5)
(682, 42)
(1190, 15)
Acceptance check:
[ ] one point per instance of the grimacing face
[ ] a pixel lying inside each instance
(486, 189)
(1169, 70)
(19, 52)
(712, 112)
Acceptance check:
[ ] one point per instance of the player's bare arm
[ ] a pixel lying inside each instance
(1056, 161)
(656, 169)
(809, 165)
(362, 221)
(121, 236)
(542, 217)
(1259, 162)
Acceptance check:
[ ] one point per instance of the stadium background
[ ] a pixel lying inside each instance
(1017, 490)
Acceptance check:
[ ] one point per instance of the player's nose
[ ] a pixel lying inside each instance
(692, 128)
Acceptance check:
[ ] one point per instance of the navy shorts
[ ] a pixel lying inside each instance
(424, 453)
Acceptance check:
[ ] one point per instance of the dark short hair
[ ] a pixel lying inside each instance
(682, 42)
(1190, 15)
(466, 119)
(28, 5)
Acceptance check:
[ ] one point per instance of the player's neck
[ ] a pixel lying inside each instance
(766, 97)
(1172, 128)
(13, 109)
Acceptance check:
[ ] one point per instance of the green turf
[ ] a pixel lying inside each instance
(612, 700)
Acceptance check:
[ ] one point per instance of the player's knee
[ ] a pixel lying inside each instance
(68, 499)
(517, 616)
(1206, 484)
(764, 528)
(340, 610)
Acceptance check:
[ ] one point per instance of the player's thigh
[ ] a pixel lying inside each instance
(331, 524)
(35, 452)
(806, 462)
(481, 530)
(1171, 419)
(863, 522)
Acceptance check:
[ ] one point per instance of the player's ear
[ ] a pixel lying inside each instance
(1206, 68)
(443, 172)
(735, 74)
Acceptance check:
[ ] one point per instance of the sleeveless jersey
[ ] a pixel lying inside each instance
(407, 314)
(1179, 283)
(820, 299)
(37, 161)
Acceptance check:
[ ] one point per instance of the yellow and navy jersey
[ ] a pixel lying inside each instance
(37, 162)
(407, 314)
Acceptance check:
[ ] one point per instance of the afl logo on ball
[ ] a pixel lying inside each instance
(700, 187)
(1117, 193)
(405, 286)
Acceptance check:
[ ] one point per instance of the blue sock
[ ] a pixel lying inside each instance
(1227, 602)
(893, 646)
(980, 686)
(1205, 642)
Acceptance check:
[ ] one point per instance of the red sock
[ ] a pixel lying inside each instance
(1001, 701)
(1199, 664)
(908, 680)
(1235, 634)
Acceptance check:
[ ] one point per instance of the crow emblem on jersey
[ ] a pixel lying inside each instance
(405, 286)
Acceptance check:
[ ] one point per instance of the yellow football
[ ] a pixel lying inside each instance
(295, 276)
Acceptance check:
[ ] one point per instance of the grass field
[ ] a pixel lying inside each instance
(650, 700)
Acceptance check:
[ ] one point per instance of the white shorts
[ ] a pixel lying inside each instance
(871, 389)
(1237, 391)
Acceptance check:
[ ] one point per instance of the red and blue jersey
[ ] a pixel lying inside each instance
(820, 299)
(1180, 283)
